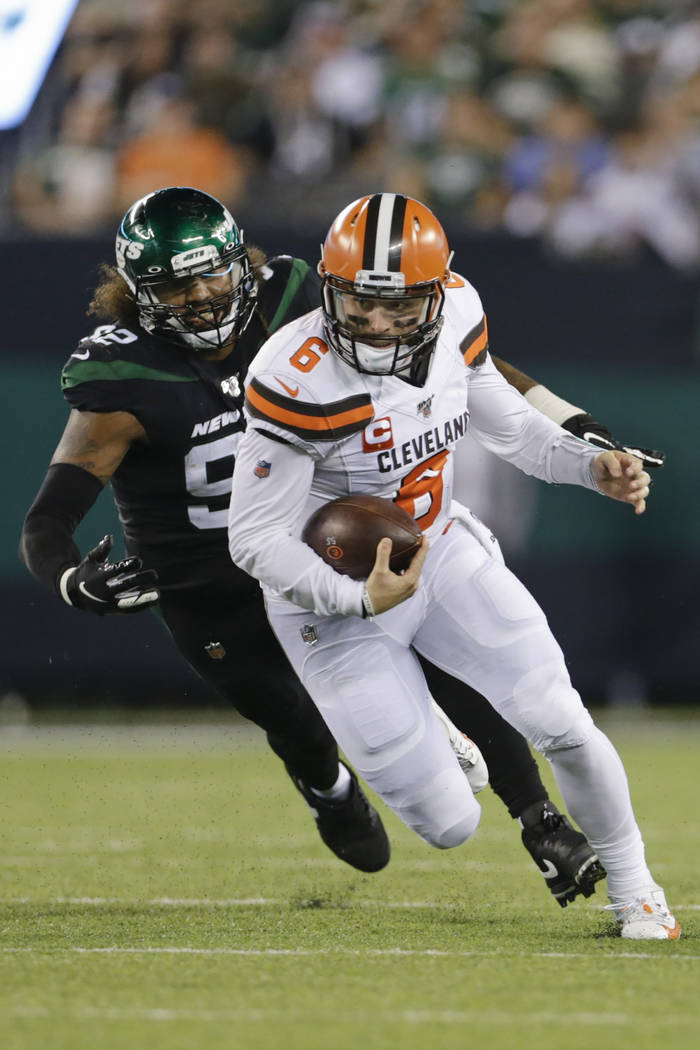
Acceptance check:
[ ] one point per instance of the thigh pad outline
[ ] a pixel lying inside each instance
(547, 709)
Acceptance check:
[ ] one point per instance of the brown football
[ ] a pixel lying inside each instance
(346, 531)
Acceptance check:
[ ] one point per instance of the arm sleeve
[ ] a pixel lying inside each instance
(46, 545)
(503, 422)
(264, 522)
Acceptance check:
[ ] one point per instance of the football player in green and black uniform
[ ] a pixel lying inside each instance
(156, 399)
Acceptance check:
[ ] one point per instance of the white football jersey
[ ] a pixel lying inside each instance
(373, 434)
(355, 432)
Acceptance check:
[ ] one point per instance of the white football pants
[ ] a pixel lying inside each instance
(473, 618)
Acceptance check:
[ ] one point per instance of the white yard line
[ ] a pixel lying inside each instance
(481, 1017)
(345, 952)
(224, 902)
(261, 902)
(46, 856)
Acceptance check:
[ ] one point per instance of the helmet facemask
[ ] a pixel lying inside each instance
(182, 256)
(177, 308)
(384, 264)
(380, 327)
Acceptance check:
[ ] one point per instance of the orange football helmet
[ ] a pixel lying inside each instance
(383, 265)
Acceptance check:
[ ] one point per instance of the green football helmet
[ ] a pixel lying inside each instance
(184, 260)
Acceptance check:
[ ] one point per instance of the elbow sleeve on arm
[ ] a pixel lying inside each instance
(46, 545)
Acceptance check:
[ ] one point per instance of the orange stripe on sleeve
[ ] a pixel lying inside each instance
(475, 342)
(301, 421)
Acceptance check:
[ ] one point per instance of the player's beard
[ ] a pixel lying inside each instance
(210, 328)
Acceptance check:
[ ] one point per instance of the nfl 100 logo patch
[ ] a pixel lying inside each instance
(262, 468)
(231, 387)
(425, 408)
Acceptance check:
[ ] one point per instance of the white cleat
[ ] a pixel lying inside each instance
(646, 917)
(468, 754)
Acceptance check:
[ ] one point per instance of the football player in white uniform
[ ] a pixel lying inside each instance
(371, 393)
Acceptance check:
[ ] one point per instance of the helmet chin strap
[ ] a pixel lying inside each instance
(371, 359)
(368, 358)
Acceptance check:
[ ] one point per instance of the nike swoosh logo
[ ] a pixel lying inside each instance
(290, 391)
(93, 597)
(596, 438)
(550, 872)
(81, 357)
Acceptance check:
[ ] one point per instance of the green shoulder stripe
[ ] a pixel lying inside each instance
(297, 274)
(77, 372)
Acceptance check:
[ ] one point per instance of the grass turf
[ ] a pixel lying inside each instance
(164, 887)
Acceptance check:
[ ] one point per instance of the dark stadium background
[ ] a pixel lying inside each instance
(619, 336)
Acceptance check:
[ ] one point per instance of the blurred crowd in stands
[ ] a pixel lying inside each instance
(574, 120)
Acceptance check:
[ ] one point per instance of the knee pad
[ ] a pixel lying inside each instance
(578, 732)
(444, 812)
(547, 710)
(458, 833)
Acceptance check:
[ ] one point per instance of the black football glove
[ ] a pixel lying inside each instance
(101, 587)
(585, 427)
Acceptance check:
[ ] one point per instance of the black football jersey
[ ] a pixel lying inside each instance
(172, 492)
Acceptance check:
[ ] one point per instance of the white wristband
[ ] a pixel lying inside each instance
(367, 607)
(63, 585)
(550, 405)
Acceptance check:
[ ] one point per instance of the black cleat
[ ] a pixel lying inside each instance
(562, 854)
(351, 828)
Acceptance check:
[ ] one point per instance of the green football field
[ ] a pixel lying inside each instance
(163, 887)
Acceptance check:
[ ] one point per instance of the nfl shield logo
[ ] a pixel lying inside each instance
(308, 634)
(262, 468)
(426, 407)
